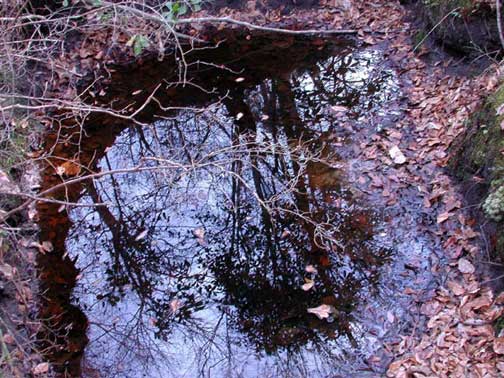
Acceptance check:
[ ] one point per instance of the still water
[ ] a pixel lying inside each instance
(235, 207)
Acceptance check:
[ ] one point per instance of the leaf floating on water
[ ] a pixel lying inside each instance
(397, 155)
(323, 311)
(199, 233)
(308, 285)
(285, 234)
(311, 269)
(141, 235)
(465, 266)
(339, 108)
(175, 305)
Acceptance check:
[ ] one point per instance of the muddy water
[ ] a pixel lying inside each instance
(237, 189)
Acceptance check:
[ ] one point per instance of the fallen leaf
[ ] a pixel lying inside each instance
(443, 217)
(455, 287)
(311, 269)
(498, 345)
(141, 235)
(322, 312)
(8, 339)
(465, 266)
(199, 232)
(396, 155)
(41, 368)
(308, 285)
(339, 108)
(8, 271)
(175, 305)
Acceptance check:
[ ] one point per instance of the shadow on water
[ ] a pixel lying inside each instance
(239, 197)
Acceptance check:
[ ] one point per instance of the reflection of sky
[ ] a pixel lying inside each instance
(170, 205)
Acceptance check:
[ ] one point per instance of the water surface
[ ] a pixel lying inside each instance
(225, 203)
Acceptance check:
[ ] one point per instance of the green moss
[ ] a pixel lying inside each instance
(484, 142)
(480, 154)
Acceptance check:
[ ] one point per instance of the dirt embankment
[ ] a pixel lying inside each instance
(468, 29)
(461, 26)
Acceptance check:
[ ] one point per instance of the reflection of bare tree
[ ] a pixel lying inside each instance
(265, 189)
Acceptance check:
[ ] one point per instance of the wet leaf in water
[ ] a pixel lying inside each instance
(141, 235)
(199, 233)
(323, 311)
(339, 108)
(311, 269)
(175, 305)
(308, 285)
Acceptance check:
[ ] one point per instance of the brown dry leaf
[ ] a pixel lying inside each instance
(443, 217)
(455, 287)
(498, 345)
(7, 271)
(465, 266)
(431, 308)
(8, 339)
(69, 168)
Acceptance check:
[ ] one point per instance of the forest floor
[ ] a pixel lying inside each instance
(456, 336)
